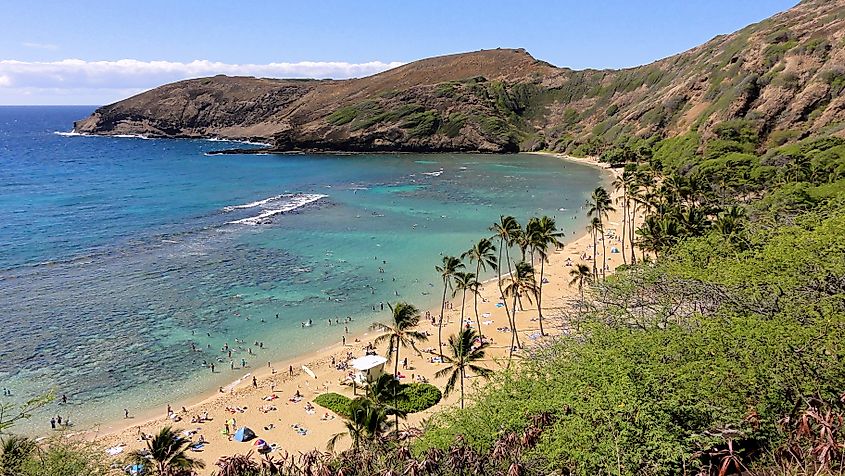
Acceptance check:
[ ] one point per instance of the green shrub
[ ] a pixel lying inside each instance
(342, 116)
(414, 397)
(419, 397)
(334, 402)
(453, 124)
(421, 124)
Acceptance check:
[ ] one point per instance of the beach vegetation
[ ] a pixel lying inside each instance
(400, 332)
(483, 254)
(410, 398)
(450, 265)
(167, 453)
(466, 351)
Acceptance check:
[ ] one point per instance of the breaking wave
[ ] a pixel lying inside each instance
(273, 206)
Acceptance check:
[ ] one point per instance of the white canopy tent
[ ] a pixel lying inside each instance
(368, 368)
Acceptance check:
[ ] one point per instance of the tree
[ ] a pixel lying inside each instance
(464, 355)
(447, 271)
(11, 413)
(387, 392)
(506, 230)
(483, 254)
(367, 422)
(544, 234)
(522, 283)
(464, 281)
(400, 332)
(600, 206)
(167, 452)
(729, 223)
(658, 233)
(580, 274)
(594, 228)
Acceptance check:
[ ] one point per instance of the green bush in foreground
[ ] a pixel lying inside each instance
(739, 347)
(415, 397)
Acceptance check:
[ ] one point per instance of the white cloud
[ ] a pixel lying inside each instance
(100, 82)
(39, 46)
(128, 73)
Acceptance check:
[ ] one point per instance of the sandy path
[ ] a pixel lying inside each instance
(557, 296)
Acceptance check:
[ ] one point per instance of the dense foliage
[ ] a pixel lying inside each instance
(413, 397)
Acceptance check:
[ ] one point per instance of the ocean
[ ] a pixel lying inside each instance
(120, 256)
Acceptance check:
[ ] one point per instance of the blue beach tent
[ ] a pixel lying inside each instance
(244, 434)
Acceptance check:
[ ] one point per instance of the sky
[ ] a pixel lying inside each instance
(96, 52)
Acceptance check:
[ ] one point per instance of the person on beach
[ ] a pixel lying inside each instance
(125, 413)
(212, 367)
(64, 399)
(290, 370)
(254, 382)
(53, 423)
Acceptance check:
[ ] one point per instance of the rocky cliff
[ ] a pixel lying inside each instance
(785, 76)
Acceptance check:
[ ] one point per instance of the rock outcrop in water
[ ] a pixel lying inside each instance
(785, 76)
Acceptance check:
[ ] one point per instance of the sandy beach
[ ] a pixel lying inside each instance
(286, 423)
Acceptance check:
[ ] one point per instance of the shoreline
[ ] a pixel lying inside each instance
(241, 392)
(145, 417)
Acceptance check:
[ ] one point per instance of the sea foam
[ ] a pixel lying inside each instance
(292, 203)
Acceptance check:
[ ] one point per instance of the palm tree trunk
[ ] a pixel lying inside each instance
(502, 293)
(631, 233)
(581, 290)
(624, 222)
(462, 387)
(603, 253)
(396, 365)
(540, 297)
(440, 322)
(463, 304)
(595, 245)
(514, 333)
(475, 299)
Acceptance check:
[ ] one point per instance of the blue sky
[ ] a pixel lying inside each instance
(164, 40)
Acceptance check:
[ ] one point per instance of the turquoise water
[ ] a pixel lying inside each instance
(119, 253)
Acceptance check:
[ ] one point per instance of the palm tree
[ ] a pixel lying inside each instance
(387, 392)
(595, 228)
(580, 274)
(658, 233)
(694, 221)
(464, 282)
(367, 421)
(543, 235)
(637, 191)
(400, 332)
(451, 265)
(167, 451)
(729, 223)
(506, 230)
(483, 254)
(464, 355)
(522, 282)
(623, 182)
(600, 206)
